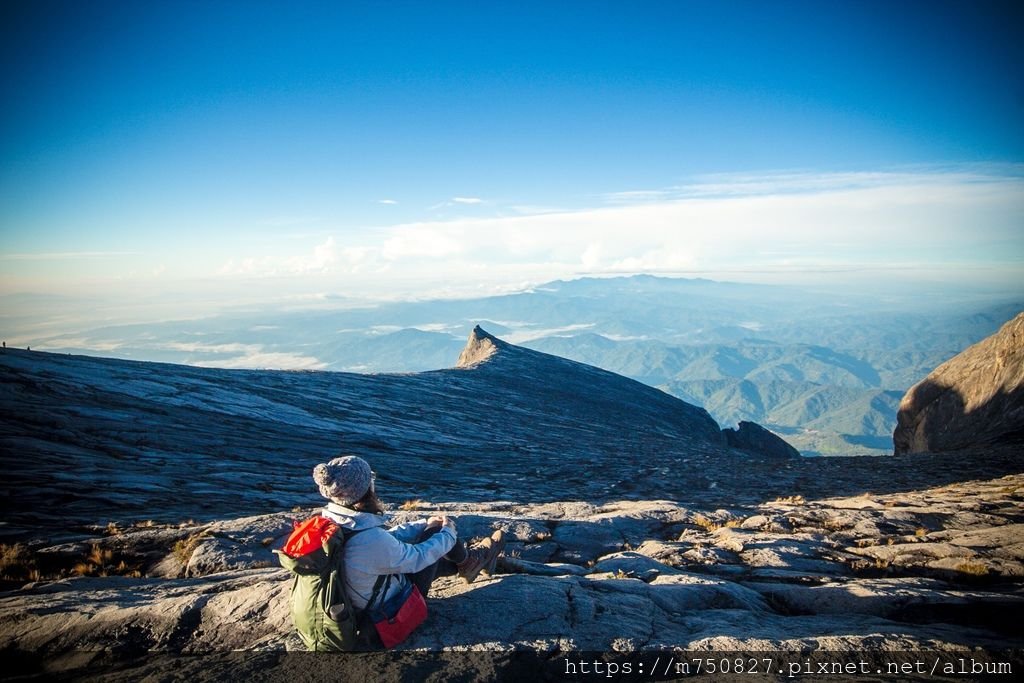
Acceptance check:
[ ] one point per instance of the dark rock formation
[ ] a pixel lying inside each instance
(751, 436)
(975, 398)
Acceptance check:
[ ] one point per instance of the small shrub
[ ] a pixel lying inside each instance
(411, 504)
(921, 532)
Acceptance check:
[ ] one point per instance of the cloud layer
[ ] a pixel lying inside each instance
(785, 222)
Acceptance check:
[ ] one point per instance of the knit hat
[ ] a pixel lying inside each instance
(344, 480)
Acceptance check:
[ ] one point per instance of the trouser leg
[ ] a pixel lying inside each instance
(446, 566)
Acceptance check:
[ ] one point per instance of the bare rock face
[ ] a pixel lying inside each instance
(939, 568)
(479, 348)
(751, 436)
(975, 398)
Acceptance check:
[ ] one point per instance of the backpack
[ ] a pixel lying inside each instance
(314, 554)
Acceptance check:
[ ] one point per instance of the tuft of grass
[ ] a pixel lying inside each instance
(184, 548)
(113, 529)
(710, 525)
(17, 563)
(99, 562)
(414, 504)
(973, 568)
(791, 500)
(100, 557)
(920, 532)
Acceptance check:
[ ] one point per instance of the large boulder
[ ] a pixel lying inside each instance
(975, 398)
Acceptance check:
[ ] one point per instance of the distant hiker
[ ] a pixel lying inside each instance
(385, 572)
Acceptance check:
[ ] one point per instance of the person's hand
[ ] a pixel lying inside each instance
(448, 522)
(435, 521)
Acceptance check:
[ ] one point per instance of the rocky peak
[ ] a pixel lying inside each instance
(480, 347)
(975, 398)
(750, 436)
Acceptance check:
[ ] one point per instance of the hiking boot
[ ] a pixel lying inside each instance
(482, 557)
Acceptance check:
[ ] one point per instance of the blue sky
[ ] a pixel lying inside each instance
(220, 150)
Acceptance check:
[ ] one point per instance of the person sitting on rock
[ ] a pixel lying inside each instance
(417, 551)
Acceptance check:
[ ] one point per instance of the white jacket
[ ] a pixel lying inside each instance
(378, 551)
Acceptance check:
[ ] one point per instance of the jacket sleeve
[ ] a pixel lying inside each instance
(409, 531)
(397, 557)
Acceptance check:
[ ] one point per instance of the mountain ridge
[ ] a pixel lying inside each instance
(111, 439)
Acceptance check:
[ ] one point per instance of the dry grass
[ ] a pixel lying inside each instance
(835, 524)
(973, 568)
(184, 548)
(17, 563)
(414, 504)
(100, 562)
(791, 500)
(710, 525)
(920, 532)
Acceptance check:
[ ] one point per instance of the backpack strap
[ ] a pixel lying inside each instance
(384, 580)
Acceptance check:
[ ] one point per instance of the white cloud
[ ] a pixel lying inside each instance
(387, 201)
(467, 200)
(419, 240)
(518, 336)
(265, 361)
(775, 223)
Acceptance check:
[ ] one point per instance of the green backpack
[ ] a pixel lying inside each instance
(314, 554)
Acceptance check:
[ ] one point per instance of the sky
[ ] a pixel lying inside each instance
(166, 159)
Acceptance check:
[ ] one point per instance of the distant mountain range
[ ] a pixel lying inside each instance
(824, 370)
